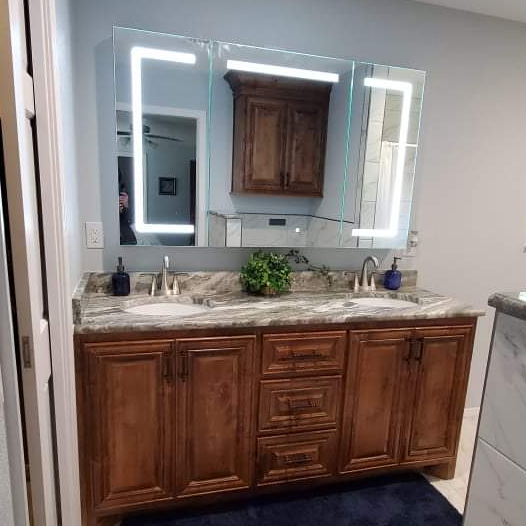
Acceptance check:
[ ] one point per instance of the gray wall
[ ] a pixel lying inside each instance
(471, 187)
(70, 126)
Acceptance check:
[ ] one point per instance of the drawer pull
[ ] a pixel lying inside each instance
(297, 458)
(312, 355)
(304, 403)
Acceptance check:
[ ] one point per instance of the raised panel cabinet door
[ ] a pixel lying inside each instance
(264, 147)
(214, 407)
(440, 366)
(130, 423)
(377, 370)
(306, 139)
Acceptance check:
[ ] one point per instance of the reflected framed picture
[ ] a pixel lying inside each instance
(167, 186)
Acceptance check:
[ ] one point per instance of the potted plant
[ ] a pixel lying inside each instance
(266, 273)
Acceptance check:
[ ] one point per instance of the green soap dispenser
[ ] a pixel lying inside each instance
(393, 277)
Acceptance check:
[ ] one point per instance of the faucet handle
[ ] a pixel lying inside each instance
(356, 282)
(372, 286)
(154, 285)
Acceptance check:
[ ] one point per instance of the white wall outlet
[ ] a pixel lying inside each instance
(94, 235)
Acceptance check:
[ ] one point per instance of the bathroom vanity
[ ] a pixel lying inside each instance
(258, 395)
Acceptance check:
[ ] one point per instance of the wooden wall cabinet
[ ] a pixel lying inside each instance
(188, 418)
(280, 134)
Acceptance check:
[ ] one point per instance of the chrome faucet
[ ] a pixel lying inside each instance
(366, 283)
(164, 289)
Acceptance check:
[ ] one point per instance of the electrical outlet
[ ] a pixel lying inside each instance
(94, 235)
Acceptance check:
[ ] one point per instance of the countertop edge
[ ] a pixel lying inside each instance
(87, 329)
(508, 303)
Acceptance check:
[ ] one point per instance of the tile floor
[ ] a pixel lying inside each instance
(455, 489)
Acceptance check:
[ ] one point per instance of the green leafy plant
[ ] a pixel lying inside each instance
(266, 273)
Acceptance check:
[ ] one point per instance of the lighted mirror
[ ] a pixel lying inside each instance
(279, 123)
(227, 145)
(386, 108)
(161, 103)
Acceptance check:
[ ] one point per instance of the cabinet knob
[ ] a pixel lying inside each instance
(184, 366)
(415, 349)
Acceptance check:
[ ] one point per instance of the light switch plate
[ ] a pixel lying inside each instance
(94, 235)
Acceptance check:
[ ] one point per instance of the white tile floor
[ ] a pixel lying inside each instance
(455, 489)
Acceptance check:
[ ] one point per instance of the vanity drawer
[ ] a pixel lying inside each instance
(300, 353)
(294, 457)
(299, 403)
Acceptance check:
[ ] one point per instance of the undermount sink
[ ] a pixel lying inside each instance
(166, 309)
(383, 303)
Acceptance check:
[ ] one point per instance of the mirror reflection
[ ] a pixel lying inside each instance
(161, 93)
(227, 145)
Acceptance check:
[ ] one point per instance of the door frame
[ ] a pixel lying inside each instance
(42, 18)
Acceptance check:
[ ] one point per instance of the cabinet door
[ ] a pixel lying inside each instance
(264, 148)
(440, 367)
(377, 371)
(214, 407)
(130, 423)
(306, 138)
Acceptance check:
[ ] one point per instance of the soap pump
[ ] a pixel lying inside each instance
(120, 281)
(393, 277)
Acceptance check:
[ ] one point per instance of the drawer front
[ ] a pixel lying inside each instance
(299, 403)
(299, 353)
(294, 457)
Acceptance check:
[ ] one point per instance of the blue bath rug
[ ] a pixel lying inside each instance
(401, 500)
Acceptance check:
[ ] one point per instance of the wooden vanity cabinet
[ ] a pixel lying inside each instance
(183, 419)
(280, 134)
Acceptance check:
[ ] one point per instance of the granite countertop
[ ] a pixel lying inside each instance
(512, 303)
(311, 302)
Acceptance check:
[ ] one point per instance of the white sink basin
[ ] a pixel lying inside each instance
(383, 303)
(166, 309)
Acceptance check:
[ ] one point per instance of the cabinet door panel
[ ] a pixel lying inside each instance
(264, 147)
(441, 366)
(214, 405)
(131, 422)
(378, 368)
(306, 136)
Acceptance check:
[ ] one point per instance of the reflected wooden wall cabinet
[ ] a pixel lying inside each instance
(280, 134)
(189, 418)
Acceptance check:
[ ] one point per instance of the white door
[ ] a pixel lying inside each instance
(18, 112)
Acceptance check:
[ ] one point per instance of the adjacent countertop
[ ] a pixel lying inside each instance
(312, 301)
(512, 303)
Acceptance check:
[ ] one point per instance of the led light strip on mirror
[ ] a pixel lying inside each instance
(407, 90)
(282, 71)
(137, 55)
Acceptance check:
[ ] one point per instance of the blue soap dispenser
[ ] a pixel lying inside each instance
(393, 277)
(120, 281)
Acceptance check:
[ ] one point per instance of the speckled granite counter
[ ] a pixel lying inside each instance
(512, 303)
(312, 301)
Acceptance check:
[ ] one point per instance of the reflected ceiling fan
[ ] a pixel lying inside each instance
(148, 137)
